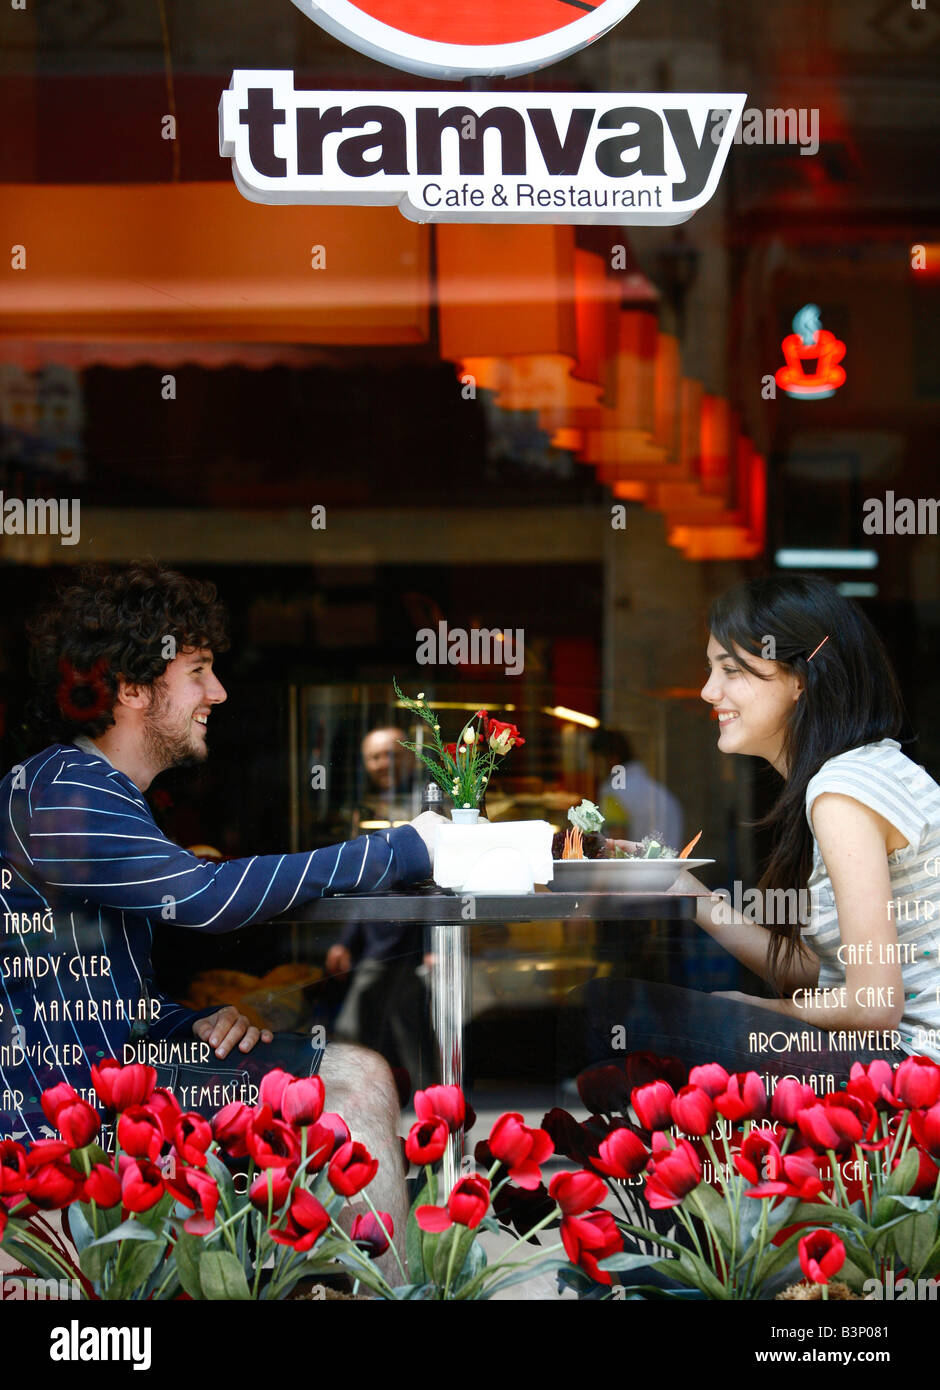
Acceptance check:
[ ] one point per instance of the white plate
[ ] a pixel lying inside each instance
(619, 875)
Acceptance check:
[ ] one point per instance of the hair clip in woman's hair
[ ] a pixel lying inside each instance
(816, 649)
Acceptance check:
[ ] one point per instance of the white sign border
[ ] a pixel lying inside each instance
(452, 60)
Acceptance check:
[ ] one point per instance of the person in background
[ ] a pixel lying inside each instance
(385, 1008)
(632, 803)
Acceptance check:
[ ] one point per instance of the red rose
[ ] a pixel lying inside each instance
(120, 1087)
(271, 1142)
(674, 1174)
(369, 1236)
(426, 1141)
(102, 1186)
(467, 1205)
(589, 1239)
(304, 1224)
(789, 1098)
(693, 1110)
(140, 1133)
(652, 1104)
(822, 1254)
(351, 1169)
(141, 1184)
(13, 1170)
(917, 1083)
(302, 1100)
(230, 1126)
(77, 1122)
(442, 1102)
(621, 1155)
(576, 1192)
(523, 1150)
(192, 1137)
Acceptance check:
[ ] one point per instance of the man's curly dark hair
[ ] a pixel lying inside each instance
(115, 623)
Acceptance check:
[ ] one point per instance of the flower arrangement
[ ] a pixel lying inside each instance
(845, 1183)
(463, 769)
(163, 1219)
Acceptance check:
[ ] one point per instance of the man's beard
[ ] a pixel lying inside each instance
(168, 747)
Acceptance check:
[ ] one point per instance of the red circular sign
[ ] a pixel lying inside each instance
(461, 38)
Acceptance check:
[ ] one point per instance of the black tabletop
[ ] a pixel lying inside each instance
(442, 905)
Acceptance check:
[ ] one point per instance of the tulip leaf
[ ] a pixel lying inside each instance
(931, 1265)
(521, 1276)
(712, 1208)
(474, 1264)
(127, 1230)
(222, 1277)
(621, 1262)
(904, 1176)
(915, 1203)
(693, 1271)
(223, 1178)
(36, 1260)
(80, 1226)
(135, 1267)
(914, 1239)
(186, 1253)
(418, 1247)
(93, 1152)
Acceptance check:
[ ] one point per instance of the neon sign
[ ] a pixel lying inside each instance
(812, 355)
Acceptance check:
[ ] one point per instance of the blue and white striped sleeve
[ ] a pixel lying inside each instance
(90, 837)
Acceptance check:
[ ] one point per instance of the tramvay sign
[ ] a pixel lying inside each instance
(640, 159)
(462, 156)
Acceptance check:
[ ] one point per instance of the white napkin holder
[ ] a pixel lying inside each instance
(505, 857)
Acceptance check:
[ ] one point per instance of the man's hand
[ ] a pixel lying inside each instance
(226, 1027)
(428, 826)
(338, 960)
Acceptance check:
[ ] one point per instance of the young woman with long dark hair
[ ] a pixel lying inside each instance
(798, 676)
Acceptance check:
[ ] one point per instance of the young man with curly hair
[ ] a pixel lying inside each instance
(124, 668)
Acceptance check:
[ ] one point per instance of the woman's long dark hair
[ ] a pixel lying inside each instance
(850, 698)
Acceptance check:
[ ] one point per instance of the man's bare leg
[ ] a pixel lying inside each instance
(360, 1087)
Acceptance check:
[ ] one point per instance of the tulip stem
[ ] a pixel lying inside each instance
(837, 1174)
(387, 1234)
(469, 1289)
(450, 1260)
(362, 1259)
(866, 1188)
(42, 1247)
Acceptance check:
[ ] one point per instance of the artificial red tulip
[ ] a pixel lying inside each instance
(197, 1190)
(230, 1127)
(45, 1151)
(142, 1185)
(789, 1098)
(693, 1110)
(571, 1139)
(838, 1122)
(304, 1224)
(369, 1236)
(102, 1186)
(576, 1192)
(711, 1077)
(302, 1100)
(280, 1180)
(522, 1149)
(426, 1141)
(917, 1083)
(166, 1107)
(77, 1122)
(926, 1127)
(744, 1097)
(925, 1182)
(55, 1097)
(467, 1205)
(54, 1185)
(652, 1104)
(604, 1090)
(822, 1255)
(192, 1137)
(13, 1170)
(673, 1176)
(140, 1133)
(120, 1087)
(442, 1102)
(351, 1169)
(270, 1142)
(272, 1088)
(590, 1239)
(874, 1083)
(621, 1155)
(759, 1158)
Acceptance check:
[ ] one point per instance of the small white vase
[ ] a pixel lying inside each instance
(465, 815)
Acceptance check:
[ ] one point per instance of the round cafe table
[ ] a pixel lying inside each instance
(451, 918)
